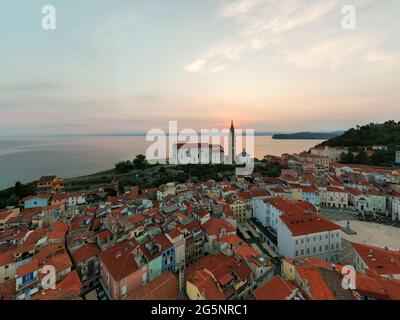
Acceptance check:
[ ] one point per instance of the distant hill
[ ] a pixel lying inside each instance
(307, 135)
(373, 134)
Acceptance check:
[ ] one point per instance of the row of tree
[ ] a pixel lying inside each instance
(379, 157)
(138, 163)
(387, 134)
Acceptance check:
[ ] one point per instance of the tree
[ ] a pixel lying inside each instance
(123, 167)
(347, 157)
(140, 162)
(12, 201)
(362, 157)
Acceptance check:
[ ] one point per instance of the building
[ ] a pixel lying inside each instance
(377, 201)
(120, 274)
(278, 289)
(396, 209)
(303, 234)
(75, 199)
(38, 201)
(397, 156)
(380, 261)
(194, 241)
(50, 184)
(178, 240)
(27, 280)
(240, 208)
(218, 277)
(320, 162)
(197, 153)
(335, 197)
(7, 266)
(164, 287)
(316, 279)
(7, 215)
(333, 153)
(310, 194)
(87, 263)
(214, 229)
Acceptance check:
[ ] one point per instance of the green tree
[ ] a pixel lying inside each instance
(347, 157)
(12, 201)
(362, 157)
(124, 167)
(140, 162)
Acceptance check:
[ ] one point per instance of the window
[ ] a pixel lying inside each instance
(297, 242)
(308, 250)
(320, 248)
(297, 253)
(302, 252)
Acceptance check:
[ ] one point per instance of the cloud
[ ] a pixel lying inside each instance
(261, 22)
(204, 66)
(238, 8)
(196, 66)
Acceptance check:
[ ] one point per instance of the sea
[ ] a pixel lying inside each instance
(25, 159)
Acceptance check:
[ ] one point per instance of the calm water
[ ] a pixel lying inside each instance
(26, 159)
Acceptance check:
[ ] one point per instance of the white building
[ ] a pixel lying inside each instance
(396, 209)
(178, 240)
(308, 235)
(335, 198)
(75, 199)
(397, 156)
(333, 153)
(268, 211)
(197, 153)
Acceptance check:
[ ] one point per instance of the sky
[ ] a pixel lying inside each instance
(129, 66)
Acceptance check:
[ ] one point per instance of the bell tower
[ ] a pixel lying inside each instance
(232, 143)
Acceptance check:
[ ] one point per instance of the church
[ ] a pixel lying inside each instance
(205, 153)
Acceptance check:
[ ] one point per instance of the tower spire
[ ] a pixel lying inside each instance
(232, 146)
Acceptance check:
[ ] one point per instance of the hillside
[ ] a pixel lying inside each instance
(386, 134)
(306, 135)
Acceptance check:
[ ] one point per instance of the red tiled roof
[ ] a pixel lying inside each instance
(354, 192)
(275, 289)
(214, 226)
(59, 226)
(174, 234)
(27, 268)
(68, 288)
(259, 193)
(85, 252)
(6, 258)
(137, 218)
(375, 193)
(40, 196)
(379, 260)
(164, 287)
(119, 260)
(302, 224)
